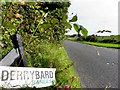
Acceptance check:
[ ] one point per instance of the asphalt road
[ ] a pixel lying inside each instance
(96, 66)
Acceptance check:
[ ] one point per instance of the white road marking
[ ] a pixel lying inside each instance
(113, 63)
(107, 86)
(97, 51)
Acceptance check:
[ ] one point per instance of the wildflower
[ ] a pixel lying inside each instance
(35, 17)
(23, 2)
(60, 88)
(67, 87)
(17, 15)
(2, 45)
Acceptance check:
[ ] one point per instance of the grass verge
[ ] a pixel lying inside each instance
(43, 54)
(108, 45)
(49, 55)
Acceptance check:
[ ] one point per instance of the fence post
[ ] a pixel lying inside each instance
(17, 42)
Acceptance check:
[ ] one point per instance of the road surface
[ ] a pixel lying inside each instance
(96, 66)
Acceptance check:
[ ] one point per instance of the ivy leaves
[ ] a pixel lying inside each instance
(54, 21)
(74, 19)
(84, 32)
(2, 2)
(32, 18)
(9, 25)
(78, 28)
(68, 25)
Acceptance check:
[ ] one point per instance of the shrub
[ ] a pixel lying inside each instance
(35, 21)
(42, 26)
(91, 38)
(108, 41)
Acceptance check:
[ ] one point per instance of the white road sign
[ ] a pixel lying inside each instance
(17, 77)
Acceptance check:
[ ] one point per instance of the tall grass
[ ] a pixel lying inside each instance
(51, 55)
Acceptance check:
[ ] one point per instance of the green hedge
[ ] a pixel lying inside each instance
(35, 21)
(42, 26)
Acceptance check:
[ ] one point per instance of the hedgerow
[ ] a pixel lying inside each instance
(41, 25)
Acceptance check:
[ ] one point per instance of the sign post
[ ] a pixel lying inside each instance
(21, 77)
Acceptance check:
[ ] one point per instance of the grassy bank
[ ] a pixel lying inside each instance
(116, 38)
(54, 56)
(43, 54)
(108, 45)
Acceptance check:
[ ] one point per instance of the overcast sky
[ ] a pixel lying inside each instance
(96, 15)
